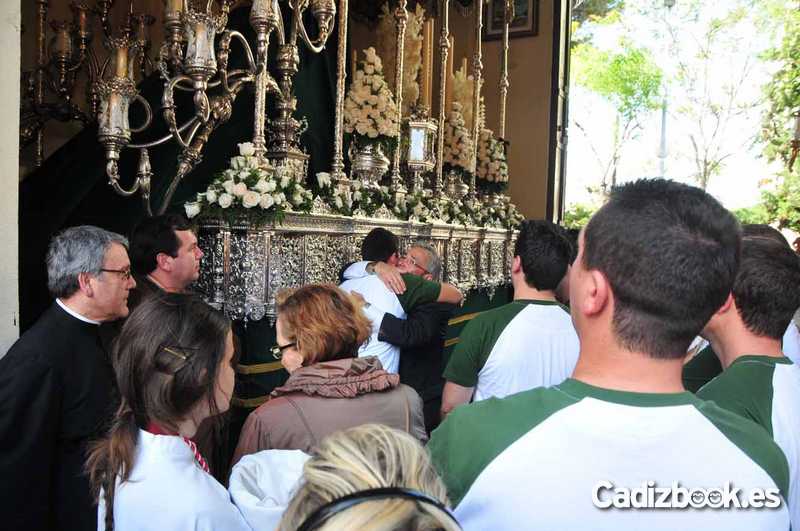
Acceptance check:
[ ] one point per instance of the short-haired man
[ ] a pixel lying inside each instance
(57, 385)
(407, 292)
(420, 335)
(164, 254)
(621, 438)
(529, 342)
(758, 381)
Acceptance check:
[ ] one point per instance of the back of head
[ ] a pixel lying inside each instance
(74, 251)
(767, 286)
(379, 245)
(152, 236)
(167, 356)
(762, 230)
(324, 322)
(166, 360)
(670, 253)
(544, 253)
(370, 456)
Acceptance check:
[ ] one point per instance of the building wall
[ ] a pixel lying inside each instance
(9, 173)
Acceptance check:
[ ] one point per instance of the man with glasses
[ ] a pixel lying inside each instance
(403, 290)
(420, 336)
(57, 385)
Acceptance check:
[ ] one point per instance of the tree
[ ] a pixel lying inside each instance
(629, 80)
(713, 64)
(782, 93)
(577, 216)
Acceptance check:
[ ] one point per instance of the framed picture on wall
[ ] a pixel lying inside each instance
(524, 24)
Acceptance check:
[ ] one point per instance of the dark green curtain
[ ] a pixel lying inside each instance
(71, 187)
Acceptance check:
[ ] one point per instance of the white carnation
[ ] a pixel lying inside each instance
(261, 186)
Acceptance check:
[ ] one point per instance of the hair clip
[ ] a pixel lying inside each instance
(176, 354)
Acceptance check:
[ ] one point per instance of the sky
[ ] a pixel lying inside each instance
(737, 50)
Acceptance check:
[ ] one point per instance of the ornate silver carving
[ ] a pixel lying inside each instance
(245, 267)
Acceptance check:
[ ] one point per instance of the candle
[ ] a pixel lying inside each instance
(175, 7)
(429, 95)
(121, 61)
(448, 99)
(424, 77)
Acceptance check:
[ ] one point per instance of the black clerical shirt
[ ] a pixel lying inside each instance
(57, 393)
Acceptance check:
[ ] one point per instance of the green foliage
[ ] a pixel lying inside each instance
(755, 214)
(577, 216)
(782, 205)
(628, 79)
(783, 92)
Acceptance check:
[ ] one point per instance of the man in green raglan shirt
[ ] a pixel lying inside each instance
(529, 342)
(758, 381)
(621, 445)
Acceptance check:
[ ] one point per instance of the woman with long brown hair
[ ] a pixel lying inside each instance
(319, 330)
(174, 365)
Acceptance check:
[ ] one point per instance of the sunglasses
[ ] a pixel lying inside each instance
(277, 350)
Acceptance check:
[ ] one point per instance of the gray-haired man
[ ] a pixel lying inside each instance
(57, 385)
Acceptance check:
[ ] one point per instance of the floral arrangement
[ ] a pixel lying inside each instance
(370, 110)
(457, 141)
(492, 168)
(412, 50)
(463, 91)
(258, 192)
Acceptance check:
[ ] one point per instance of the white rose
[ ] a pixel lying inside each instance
(225, 200)
(211, 195)
(192, 209)
(251, 162)
(247, 149)
(266, 201)
(243, 174)
(250, 199)
(285, 180)
(261, 186)
(229, 174)
(238, 163)
(297, 198)
(239, 189)
(278, 198)
(271, 186)
(228, 186)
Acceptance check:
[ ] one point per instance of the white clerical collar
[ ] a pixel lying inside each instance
(75, 314)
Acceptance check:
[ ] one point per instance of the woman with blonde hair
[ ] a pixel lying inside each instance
(371, 478)
(174, 366)
(319, 330)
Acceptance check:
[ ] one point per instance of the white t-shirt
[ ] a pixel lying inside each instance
(516, 347)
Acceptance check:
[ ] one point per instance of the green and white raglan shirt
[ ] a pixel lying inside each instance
(766, 389)
(418, 291)
(516, 347)
(543, 459)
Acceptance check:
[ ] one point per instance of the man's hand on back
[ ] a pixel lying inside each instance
(390, 276)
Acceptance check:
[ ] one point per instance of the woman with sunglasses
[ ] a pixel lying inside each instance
(174, 366)
(319, 330)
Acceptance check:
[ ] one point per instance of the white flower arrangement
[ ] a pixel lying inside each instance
(492, 165)
(386, 34)
(370, 110)
(463, 92)
(458, 144)
(256, 190)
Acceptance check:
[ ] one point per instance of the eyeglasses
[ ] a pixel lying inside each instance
(277, 350)
(125, 273)
(416, 264)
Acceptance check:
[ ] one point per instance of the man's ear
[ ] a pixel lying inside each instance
(598, 293)
(727, 306)
(428, 276)
(516, 264)
(164, 261)
(85, 285)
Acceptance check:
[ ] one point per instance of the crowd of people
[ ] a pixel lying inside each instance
(643, 377)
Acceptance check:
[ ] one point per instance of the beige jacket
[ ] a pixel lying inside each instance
(330, 396)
